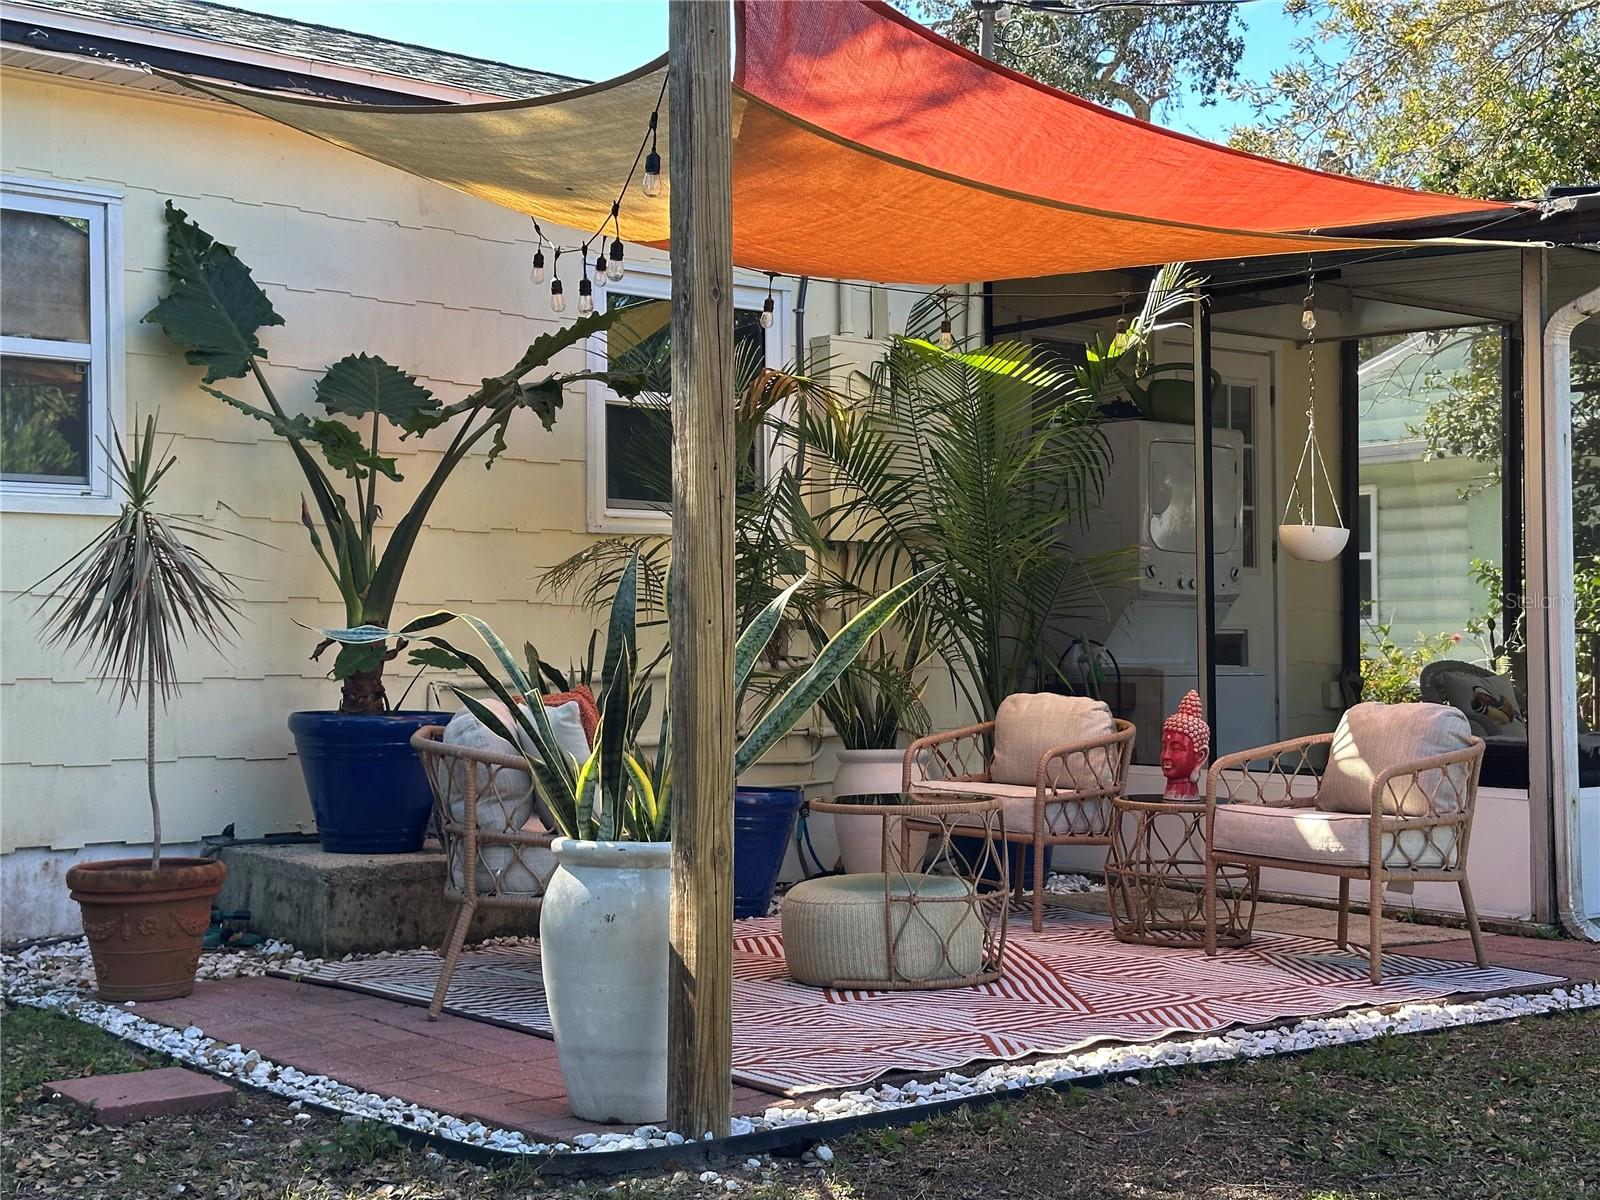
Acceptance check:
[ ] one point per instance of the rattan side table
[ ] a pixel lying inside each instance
(1155, 877)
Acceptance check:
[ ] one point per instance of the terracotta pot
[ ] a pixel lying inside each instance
(145, 927)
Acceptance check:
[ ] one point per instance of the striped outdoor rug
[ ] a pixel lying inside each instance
(1068, 986)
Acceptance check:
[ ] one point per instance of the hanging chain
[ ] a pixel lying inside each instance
(1311, 453)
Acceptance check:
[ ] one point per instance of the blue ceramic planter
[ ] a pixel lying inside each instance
(763, 824)
(368, 790)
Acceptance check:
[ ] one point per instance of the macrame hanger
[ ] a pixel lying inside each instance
(1311, 457)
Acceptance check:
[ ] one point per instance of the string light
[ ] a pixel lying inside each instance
(558, 298)
(650, 181)
(947, 334)
(1308, 312)
(602, 269)
(766, 305)
(536, 271)
(585, 296)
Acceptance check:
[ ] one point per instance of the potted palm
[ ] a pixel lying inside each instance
(126, 602)
(603, 923)
(368, 791)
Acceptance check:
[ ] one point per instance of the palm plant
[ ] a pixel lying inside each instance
(135, 593)
(620, 792)
(979, 462)
(215, 311)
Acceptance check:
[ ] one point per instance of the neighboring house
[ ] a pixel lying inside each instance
(1422, 520)
(356, 257)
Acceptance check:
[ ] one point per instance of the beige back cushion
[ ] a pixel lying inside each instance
(1373, 737)
(1029, 724)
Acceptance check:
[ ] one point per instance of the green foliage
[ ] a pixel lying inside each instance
(214, 310)
(620, 792)
(1137, 58)
(1494, 98)
(978, 462)
(1391, 672)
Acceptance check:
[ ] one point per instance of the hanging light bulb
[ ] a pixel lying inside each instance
(614, 261)
(1308, 314)
(558, 298)
(766, 313)
(947, 335)
(536, 272)
(585, 297)
(650, 182)
(601, 271)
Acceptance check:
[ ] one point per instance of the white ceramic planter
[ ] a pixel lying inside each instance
(1313, 543)
(869, 773)
(603, 946)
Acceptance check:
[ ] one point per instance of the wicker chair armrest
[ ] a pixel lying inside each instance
(1274, 755)
(953, 750)
(1459, 787)
(1115, 753)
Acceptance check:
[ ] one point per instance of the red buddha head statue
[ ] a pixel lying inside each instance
(1185, 747)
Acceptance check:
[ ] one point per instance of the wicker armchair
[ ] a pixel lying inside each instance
(1067, 802)
(497, 852)
(1411, 822)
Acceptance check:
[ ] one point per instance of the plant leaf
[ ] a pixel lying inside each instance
(359, 385)
(214, 308)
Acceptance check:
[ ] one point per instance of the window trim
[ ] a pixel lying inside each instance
(102, 208)
(1367, 492)
(654, 280)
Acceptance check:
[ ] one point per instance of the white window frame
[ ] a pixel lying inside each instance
(102, 208)
(1368, 492)
(655, 280)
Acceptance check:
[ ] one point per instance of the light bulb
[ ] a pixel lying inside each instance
(601, 272)
(585, 297)
(1308, 316)
(614, 261)
(537, 272)
(947, 336)
(766, 313)
(650, 182)
(558, 299)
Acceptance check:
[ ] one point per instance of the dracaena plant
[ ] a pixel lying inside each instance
(621, 792)
(136, 593)
(215, 311)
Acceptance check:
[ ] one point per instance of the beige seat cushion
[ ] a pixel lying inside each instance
(1316, 836)
(1029, 724)
(1066, 817)
(833, 929)
(1373, 737)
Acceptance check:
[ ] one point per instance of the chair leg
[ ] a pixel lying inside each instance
(1344, 912)
(1375, 930)
(451, 952)
(1211, 906)
(1038, 883)
(1472, 923)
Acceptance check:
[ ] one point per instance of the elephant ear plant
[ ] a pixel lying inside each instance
(215, 311)
(622, 793)
(126, 602)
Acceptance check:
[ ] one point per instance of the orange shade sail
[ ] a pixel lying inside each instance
(867, 147)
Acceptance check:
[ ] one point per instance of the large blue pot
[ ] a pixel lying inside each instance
(763, 825)
(368, 789)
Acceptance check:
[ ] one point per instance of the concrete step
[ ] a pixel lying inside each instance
(330, 905)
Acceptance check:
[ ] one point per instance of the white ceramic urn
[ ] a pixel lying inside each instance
(870, 773)
(603, 947)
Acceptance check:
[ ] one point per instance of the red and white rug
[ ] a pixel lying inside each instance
(1066, 987)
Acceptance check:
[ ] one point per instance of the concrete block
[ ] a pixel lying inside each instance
(330, 905)
(140, 1095)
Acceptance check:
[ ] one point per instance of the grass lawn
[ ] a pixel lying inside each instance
(1498, 1111)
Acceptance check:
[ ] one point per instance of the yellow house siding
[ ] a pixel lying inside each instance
(355, 256)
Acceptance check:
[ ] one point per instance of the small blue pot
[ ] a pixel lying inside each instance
(368, 789)
(763, 825)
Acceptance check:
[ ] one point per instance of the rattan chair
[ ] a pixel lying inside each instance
(1055, 809)
(483, 802)
(1268, 808)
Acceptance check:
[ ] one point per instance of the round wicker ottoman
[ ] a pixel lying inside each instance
(840, 930)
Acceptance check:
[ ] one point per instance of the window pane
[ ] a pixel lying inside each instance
(46, 290)
(44, 421)
(1586, 544)
(638, 456)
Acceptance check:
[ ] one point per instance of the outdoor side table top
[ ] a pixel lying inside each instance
(1155, 877)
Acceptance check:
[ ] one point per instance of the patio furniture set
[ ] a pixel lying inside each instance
(1391, 804)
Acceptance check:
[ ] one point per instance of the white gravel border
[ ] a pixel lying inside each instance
(59, 977)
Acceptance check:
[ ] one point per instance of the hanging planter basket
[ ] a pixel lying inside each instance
(1313, 543)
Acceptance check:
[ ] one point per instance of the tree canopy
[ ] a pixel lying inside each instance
(1493, 98)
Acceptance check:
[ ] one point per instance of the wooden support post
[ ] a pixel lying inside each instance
(700, 173)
